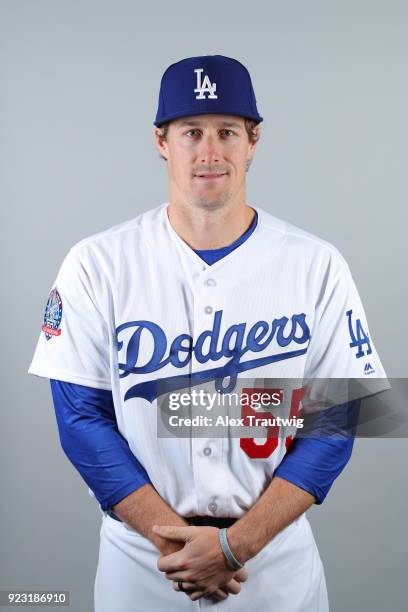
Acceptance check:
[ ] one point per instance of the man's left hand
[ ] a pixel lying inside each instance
(201, 562)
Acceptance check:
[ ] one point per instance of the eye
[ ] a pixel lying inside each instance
(193, 132)
(228, 132)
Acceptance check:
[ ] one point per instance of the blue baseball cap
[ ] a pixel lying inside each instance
(207, 84)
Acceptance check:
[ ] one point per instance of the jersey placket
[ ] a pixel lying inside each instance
(207, 454)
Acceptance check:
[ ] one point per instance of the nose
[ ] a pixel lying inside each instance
(208, 151)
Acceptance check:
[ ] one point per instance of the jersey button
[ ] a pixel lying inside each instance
(210, 282)
(207, 451)
(212, 507)
(208, 309)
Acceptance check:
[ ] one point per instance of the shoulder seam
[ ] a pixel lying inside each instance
(132, 224)
(286, 228)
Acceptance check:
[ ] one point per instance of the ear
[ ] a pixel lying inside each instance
(252, 145)
(161, 144)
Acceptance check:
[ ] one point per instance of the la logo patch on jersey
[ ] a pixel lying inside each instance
(205, 86)
(52, 315)
(359, 337)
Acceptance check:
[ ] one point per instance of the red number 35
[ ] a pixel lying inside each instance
(262, 451)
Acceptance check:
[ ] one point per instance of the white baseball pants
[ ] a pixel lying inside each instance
(286, 576)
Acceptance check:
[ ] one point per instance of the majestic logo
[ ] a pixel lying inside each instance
(237, 342)
(368, 369)
(204, 87)
(52, 315)
(358, 337)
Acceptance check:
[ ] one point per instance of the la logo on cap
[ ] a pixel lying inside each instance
(204, 87)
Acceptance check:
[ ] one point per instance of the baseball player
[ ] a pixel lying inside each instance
(209, 289)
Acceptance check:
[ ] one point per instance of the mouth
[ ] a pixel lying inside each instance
(210, 176)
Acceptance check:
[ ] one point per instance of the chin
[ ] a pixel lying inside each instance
(210, 202)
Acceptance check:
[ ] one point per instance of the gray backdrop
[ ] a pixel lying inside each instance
(78, 85)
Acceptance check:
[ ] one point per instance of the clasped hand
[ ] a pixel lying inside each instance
(200, 564)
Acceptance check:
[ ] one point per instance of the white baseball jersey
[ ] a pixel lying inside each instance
(134, 310)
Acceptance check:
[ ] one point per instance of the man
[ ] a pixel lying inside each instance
(205, 289)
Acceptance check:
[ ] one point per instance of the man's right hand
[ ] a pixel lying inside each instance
(233, 587)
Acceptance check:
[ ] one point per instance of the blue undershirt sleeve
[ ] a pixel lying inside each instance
(313, 463)
(92, 442)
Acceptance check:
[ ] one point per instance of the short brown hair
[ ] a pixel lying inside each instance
(250, 125)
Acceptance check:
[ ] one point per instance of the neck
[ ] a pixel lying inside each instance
(210, 229)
